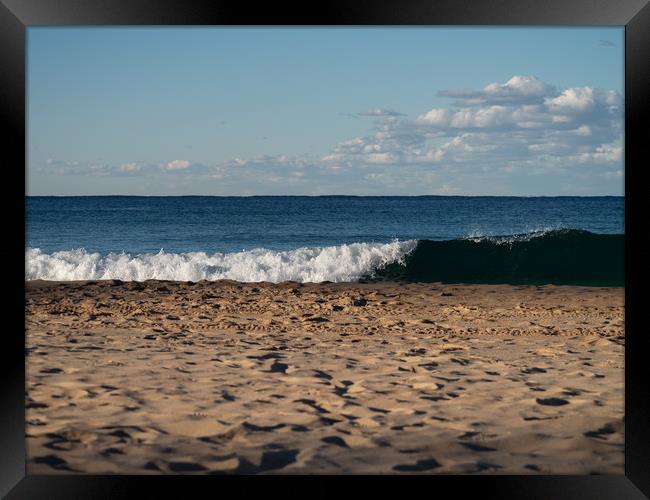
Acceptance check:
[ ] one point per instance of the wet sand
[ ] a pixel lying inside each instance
(227, 377)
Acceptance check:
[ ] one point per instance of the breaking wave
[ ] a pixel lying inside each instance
(316, 264)
(563, 257)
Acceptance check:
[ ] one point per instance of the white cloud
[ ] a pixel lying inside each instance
(522, 127)
(604, 153)
(517, 89)
(584, 99)
(447, 189)
(334, 157)
(572, 100)
(490, 116)
(268, 161)
(381, 158)
(582, 130)
(438, 116)
(130, 167)
(176, 165)
(519, 85)
(380, 112)
(549, 147)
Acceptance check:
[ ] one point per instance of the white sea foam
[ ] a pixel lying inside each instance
(477, 236)
(335, 263)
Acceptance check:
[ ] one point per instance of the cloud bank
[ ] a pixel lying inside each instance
(521, 136)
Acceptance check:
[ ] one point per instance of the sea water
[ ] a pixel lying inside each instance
(564, 240)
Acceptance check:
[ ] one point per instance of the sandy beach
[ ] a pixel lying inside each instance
(354, 378)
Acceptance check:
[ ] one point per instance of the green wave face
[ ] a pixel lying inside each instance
(560, 257)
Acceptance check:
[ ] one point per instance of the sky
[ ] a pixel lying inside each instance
(317, 111)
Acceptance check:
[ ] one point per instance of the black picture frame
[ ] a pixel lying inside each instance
(17, 15)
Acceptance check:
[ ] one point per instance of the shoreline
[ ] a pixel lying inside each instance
(31, 285)
(383, 377)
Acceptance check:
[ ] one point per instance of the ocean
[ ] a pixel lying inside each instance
(516, 240)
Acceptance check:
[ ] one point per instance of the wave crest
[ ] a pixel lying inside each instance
(565, 256)
(341, 263)
(562, 257)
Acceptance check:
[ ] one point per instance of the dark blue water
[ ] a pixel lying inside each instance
(222, 224)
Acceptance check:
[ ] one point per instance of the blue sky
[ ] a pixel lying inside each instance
(366, 111)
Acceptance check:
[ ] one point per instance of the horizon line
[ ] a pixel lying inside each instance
(321, 196)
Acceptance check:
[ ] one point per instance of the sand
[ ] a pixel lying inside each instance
(226, 377)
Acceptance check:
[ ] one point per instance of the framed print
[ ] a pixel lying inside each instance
(375, 240)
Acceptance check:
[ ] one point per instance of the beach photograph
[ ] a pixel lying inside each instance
(326, 250)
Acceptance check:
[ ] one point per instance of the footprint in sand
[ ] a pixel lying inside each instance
(533, 370)
(322, 374)
(477, 447)
(603, 431)
(552, 401)
(335, 440)
(53, 461)
(271, 460)
(419, 466)
(277, 367)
